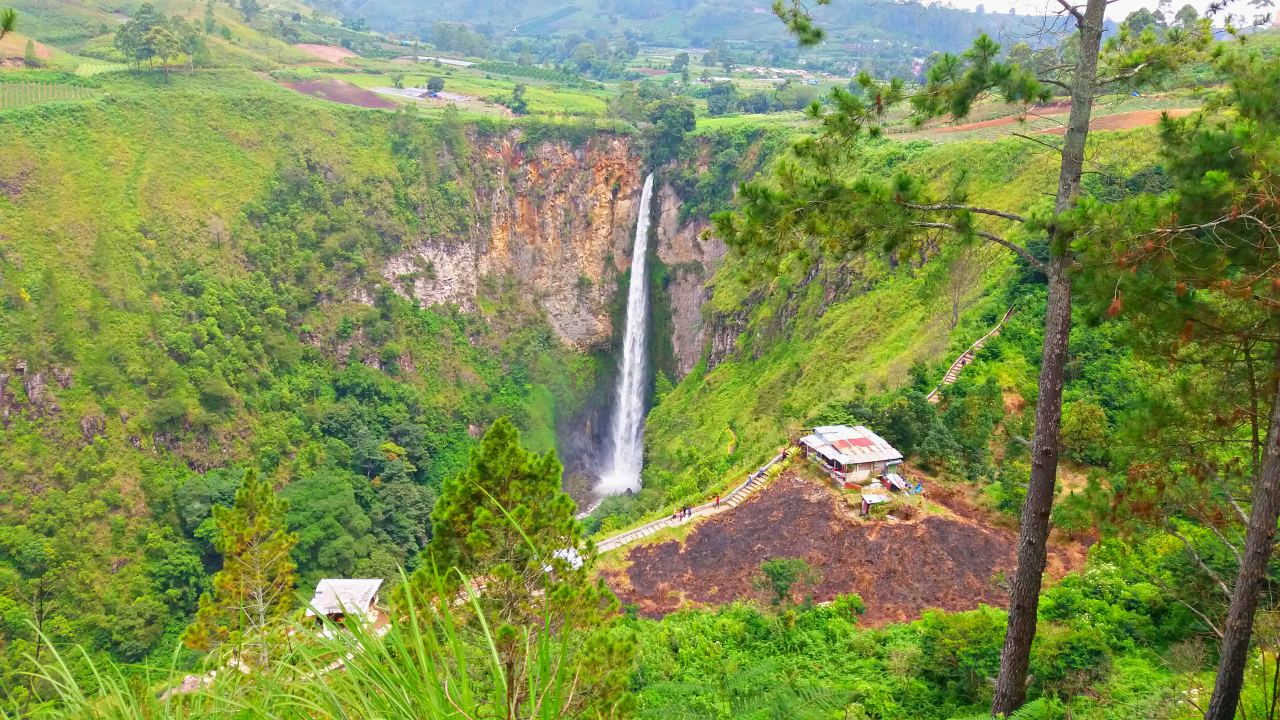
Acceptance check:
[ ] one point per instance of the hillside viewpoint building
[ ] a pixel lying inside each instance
(849, 454)
(343, 599)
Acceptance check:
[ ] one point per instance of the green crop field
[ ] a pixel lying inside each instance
(97, 67)
(543, 98)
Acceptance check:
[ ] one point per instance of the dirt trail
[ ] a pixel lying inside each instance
(951, 561)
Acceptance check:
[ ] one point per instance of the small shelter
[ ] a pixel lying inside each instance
(850, 454)
(869, 499)
(342, 598)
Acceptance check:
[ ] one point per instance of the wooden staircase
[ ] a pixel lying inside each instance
(966, 357)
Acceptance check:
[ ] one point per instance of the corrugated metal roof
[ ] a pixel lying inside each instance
(851, 445)
(342, 595)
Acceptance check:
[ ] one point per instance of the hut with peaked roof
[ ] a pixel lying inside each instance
(341, 598)
(849, 454)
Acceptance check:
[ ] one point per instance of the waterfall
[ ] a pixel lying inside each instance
(628, 410)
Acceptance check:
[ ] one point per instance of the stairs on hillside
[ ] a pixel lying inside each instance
(736, 497)
(966, 357)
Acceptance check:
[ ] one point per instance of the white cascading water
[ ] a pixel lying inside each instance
(628, 410)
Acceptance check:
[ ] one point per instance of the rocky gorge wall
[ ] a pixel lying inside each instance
(558, 218)
(555, 217)
(691, 257)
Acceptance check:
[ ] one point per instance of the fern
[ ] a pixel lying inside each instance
(1041, 709)
(762, 691)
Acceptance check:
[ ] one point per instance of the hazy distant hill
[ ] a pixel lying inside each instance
(695, 23)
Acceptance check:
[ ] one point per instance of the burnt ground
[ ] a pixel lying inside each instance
(953, 561)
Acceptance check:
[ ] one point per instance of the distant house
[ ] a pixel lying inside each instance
(849, 454)
(445, 61)
(339, 599)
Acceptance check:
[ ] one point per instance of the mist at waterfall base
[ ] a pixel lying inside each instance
(622, 471)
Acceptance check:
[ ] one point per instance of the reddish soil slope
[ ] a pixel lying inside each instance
(328, 53)
(1127, 121)
(15, 46)
(951, 561)
(342, 92)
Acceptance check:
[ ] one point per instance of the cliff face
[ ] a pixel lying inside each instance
(557, 219)
(691, 259)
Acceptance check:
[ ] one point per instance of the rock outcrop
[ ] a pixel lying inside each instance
(35, 399)
(557, 218)
(692, 257)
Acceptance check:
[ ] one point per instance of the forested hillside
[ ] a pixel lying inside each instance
(688, 23)
(219, 275)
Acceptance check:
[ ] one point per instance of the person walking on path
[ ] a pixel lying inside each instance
(717, 500)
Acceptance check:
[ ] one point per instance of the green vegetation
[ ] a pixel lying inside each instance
(226, 267)
(1104, 630)
(215, 389)
(506, 522)
(782, 576)
(20, 94)
(352, 670)
(593, 34)
(253, 591)
(8, 21)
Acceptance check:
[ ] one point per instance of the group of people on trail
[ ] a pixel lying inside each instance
(686, 511)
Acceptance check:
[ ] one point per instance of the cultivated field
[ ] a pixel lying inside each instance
(997, 120)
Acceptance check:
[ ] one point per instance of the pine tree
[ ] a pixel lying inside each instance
(253, 592)
(812, 197)
(1203, 284)
(505, 525)
(8, 21)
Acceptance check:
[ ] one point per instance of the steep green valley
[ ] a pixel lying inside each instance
(352, 367)
(220, 275)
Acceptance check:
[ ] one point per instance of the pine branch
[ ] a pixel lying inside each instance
(968, 208)
(1072, 10)
(1200, 561)
(1032, 260)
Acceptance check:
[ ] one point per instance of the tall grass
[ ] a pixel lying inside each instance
(425, 664)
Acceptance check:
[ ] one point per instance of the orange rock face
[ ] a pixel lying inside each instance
(556, 218)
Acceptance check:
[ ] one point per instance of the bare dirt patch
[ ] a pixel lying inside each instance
(1055, 108)
(14, 45)
(328, 53)
(1128, 120)
(952, 561)
(341, 92)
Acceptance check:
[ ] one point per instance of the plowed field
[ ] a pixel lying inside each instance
(953, 560)
(341, 92)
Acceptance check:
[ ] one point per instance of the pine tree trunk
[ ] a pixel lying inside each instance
(1033, 534)
(1253, 570)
